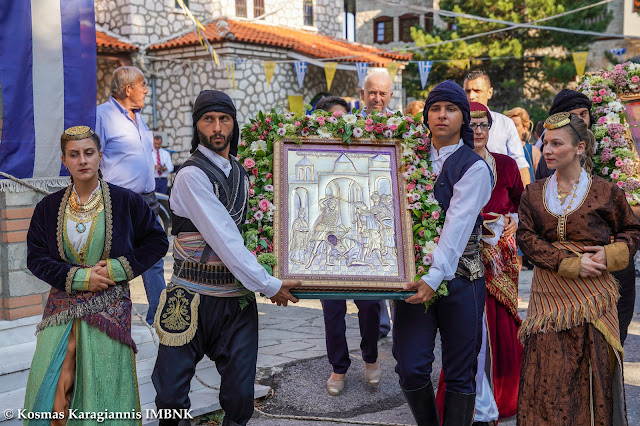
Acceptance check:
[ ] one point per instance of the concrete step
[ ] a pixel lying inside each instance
(18, 331)
(14, 369)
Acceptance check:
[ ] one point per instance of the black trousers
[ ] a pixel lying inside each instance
(228, 335)
(627, 301)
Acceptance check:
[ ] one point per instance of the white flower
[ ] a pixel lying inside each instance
(258, 215)
(268, 188)
(332, 120)
(258, 145)
(357, 132)
(415, 196)
(431, 199)
(406, 151)
(252, 178)
(388, 133)
(281, 131)
(615, 106)
(406, 175)
(323, 132)
(349, 118)
(394, 121)
(429, 247)
(411, 168)
(612, 117)
(420, 187)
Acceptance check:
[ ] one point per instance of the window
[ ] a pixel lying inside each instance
(428, 23)
(258, 8)
(177, 6)
(307, 10)
(241, 8)
(406, 22)
(383, 30)
(349, 24)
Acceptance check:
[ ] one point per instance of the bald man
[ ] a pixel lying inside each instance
(376, 92)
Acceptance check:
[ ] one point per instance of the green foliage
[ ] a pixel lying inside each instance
(516, 81)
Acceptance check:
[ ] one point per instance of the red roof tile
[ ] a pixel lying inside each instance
(301, 41)
(108, 44)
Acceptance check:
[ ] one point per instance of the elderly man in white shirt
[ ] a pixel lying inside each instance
(215, 275)
(503, 136)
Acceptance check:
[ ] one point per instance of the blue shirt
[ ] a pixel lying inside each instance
(127, 148)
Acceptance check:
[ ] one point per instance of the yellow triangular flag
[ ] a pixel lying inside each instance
(296, 104)
(460, 63)
(330, 72)
(580, 61)
(231, 74)
(392, 69)
(269, 68)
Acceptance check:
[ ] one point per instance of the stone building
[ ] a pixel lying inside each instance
(626, 20)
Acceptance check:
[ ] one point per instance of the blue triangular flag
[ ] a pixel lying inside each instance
(301, 70)
(424, 67)
(361, 69)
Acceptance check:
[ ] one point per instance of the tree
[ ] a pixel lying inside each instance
(527, 66)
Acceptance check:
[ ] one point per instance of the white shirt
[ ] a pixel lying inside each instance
(165, 161)
(504, 139)
(192, 197)
(470, 194)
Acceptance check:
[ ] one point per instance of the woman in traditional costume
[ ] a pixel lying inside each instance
(88, 241)
(576, 229)
(501, 352)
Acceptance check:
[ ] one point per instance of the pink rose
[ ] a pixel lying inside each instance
(268, 176)
(421, 233)
(436, 239)
(368, 128)
(411, 186)
(249, 163)
(635, 78)
(337, 113)
(435, 215)
(252, 192)
(320, 119)
(255, 172)
(264, 205)
(368, 122)
(429, 187)
(620, 184)
(296, 123)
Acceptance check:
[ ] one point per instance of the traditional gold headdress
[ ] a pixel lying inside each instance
(560, 119)
(77, 133)
(478, 114)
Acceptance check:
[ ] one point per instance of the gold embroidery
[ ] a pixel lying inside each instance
(110, 268)
(108, 224)
(176, 319)
(69, 281)
(127, 267)
(61, 222)
(87, 276)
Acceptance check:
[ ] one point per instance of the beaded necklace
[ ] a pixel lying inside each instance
(84, 213)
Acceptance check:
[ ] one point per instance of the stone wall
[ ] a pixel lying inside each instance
(367, 11)
(21, 294)
(329, 17)
(106, 66)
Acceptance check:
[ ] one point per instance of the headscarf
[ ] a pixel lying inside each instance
(215, 100)
(450, 91)
(477, 106)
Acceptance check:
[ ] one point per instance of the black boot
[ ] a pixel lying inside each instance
(423, 405)
(458, 408)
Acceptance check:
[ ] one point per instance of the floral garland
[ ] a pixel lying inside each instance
(255, 152)
(614, 159)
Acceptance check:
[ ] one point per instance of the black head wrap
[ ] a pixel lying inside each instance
(568, 100)
(450, 91)
(215, 100)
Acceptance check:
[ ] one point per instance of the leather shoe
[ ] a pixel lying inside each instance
(335, 387)
(372, 373)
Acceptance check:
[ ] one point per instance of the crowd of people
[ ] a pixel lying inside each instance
(504, 199)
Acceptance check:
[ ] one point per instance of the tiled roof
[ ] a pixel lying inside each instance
(108, 44)
(301, 41)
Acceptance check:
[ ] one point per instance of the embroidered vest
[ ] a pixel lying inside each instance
(470, 264)
(196, 265)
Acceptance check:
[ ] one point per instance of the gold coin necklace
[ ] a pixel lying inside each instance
(570, 195)
(84, 213)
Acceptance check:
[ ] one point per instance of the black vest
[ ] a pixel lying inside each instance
(232, 191)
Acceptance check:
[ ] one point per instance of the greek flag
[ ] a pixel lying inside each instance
(361, 70)
(301, 70)
(47, 81)
(424, 67)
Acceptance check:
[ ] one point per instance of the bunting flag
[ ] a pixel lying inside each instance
(460, 63)
(48, 80)
(231, 74)
(361, 70)
(330, 72)
(301, 70)
(392, 69)
(580, 61)
(424, 67)
(618, 52)
(199, 29)
(269, 68)
(296, 104)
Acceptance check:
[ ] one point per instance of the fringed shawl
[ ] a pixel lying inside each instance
(501, 273)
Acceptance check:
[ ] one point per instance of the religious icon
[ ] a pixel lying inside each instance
(341, 216)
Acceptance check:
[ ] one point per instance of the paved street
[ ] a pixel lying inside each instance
(292, 361)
